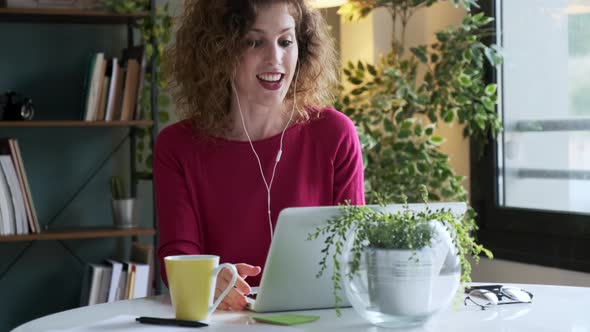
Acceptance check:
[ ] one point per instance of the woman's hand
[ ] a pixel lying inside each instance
(235, 299)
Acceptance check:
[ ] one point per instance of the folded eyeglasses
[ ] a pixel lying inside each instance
(488, 295)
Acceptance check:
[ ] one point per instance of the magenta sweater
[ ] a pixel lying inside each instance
(210, 197)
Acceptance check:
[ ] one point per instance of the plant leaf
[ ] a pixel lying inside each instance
(420, 53)
(491, 89)
(465, 80)
(163, 117)
(388, 125)
(355, 80)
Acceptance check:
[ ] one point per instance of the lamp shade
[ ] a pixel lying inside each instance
(327, 3)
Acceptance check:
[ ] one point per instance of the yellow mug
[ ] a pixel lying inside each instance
(191, 280)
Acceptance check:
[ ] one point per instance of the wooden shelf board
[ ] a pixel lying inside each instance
(138, 123)
(67, 15)
(78, 233)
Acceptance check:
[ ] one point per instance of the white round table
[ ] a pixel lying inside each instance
(554, 308)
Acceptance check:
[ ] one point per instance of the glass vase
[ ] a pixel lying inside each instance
(402, 288)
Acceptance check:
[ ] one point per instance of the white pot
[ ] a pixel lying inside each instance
(446, 258)
(402, 288)
(125, 212)
(401, 281)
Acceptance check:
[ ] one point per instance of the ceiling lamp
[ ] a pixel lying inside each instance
(327, 3)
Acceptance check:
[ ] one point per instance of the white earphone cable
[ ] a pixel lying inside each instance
(279, 153)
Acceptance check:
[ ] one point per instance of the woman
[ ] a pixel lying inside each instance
(249, 78)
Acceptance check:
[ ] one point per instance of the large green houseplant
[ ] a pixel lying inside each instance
(398, 103)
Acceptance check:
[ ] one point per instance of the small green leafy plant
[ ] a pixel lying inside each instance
(117, 190)
(405, 230)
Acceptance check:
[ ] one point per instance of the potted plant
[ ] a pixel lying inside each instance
(125, 208)
(398, 267)
(398, 103)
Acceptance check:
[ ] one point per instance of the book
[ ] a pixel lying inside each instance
(138, 53)
(88, 84)
(141, 283)
(99, 95)
(105, 283)
(93, 84)
(95, 284)
(24, 183)
(130, 284)
(96, 279)
(117, 268)
(120, 295)
(101, 282)
(6, 208)
(100, 113)
(144, 253)
(119, 96)
(130, 90)
(86, 285)
(20, 216)
(115, 87)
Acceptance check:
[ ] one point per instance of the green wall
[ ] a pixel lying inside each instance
(48, 63)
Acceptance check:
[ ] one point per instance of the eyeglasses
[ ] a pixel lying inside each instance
(488, 295)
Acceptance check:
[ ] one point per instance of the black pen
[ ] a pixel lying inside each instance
(169, 321)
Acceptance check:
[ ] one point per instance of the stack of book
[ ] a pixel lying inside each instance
(115, 280)
(113, 86)
(17, 212)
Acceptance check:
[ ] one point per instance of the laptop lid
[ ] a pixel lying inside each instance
(289, 279)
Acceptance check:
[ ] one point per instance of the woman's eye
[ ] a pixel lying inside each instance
(254, 43)
(285, 43)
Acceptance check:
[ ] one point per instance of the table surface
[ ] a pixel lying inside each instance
(554, 308)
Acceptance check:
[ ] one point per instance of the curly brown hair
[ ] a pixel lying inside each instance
(209, 43)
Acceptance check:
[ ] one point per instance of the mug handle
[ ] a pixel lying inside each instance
(234, 278)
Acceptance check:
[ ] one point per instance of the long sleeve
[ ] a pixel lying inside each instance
(348, 167)
(178, 226)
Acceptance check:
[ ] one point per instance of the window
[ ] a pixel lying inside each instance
(532, 187)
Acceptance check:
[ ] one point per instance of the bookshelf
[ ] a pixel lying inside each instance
(77, 16)
(67, 241)
(79, 233)
(76, 124)
(43, 15)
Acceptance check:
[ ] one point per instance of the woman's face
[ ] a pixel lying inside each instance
(268, 64)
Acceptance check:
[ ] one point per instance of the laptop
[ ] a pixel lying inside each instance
(289, 278)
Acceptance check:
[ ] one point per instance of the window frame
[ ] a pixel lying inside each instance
(542, 237)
